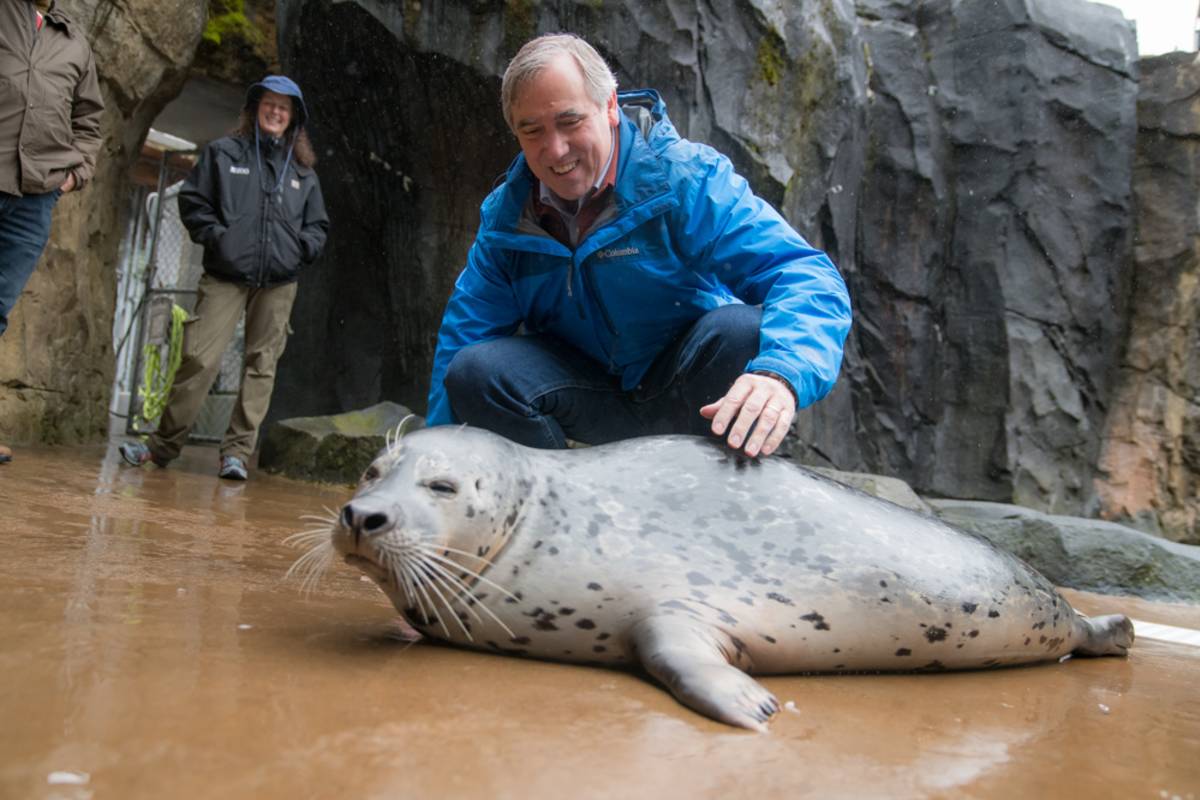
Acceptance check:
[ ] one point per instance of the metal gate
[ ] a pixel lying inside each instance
(161, 268)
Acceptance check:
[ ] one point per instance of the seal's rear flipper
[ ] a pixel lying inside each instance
(1111, 635)
(693, 661)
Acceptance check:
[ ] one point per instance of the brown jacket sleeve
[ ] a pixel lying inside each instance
(86, 110)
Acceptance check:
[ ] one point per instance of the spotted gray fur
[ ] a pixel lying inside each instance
(692, 566)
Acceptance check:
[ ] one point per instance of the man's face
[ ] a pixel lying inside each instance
(565, 136)
(274, 113)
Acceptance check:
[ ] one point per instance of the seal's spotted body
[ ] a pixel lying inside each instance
(675, 554)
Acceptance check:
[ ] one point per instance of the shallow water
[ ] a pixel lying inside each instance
(150, 648)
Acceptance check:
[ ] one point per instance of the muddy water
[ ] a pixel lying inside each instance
(149, 648)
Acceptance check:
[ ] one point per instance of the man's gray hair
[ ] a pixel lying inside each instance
(536, 54)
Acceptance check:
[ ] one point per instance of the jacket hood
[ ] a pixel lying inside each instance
(280, 84)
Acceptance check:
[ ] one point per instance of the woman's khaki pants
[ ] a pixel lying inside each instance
(206, 335)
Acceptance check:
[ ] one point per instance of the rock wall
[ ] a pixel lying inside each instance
(1150, 466)
(967, 163)
(993, 237)
(56, 359)
(405, 104)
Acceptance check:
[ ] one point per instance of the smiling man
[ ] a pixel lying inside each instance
(625, 281)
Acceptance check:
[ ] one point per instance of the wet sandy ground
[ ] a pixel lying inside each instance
(149, 648)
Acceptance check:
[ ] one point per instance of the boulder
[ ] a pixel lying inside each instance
(893, 490)
(333, 449)
(1080, 553)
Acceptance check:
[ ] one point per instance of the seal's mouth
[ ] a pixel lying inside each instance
(368, 566)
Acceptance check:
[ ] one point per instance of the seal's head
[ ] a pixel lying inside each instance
(429, 513)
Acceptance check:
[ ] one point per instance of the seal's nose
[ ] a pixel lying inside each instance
(362, 520)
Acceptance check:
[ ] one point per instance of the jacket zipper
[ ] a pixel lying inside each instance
(587, 280)
(262, 241)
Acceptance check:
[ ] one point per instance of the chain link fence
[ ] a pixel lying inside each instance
(161, 268)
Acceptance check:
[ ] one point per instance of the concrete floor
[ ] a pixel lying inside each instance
(151, 648)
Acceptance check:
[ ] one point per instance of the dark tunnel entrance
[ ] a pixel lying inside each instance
(409, 144)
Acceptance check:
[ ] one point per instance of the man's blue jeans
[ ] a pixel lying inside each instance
(24, 231)
(538, 391)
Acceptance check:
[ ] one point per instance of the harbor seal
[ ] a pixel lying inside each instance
(679, 556)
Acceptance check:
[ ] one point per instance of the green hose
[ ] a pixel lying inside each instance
(156, 383)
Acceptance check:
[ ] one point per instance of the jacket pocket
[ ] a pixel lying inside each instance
(286, 253)
(236, 247)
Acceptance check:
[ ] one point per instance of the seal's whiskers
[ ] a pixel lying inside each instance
(435, 553)
(313, 564)
(421, 588)
(452, 584)
(307, 538)
(464, 589)
(392, 437)
(400, 561)
(433, 584)
(329, 517)
(396, 565)
(429, 583)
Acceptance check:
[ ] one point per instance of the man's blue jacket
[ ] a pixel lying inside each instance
(687, 236)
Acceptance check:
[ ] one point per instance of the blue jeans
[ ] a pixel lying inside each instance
(24, 231)
(539, 391)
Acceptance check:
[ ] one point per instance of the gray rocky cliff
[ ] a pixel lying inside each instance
(994, 232)
(968, 164)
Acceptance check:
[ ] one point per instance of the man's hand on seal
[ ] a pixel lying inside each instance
(763, 401)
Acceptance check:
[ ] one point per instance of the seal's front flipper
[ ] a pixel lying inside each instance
(695, 662)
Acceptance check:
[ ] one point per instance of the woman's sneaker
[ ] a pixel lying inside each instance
(232, 468)
(137, 453)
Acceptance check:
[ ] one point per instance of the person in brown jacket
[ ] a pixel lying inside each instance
(50, 108)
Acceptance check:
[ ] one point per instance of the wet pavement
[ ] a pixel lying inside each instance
(149, 647)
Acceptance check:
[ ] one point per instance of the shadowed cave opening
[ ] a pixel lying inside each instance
(409, 143)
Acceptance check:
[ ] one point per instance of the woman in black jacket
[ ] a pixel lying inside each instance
(254, 203)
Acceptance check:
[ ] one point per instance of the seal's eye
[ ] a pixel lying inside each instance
(442, 488)
(371, 474)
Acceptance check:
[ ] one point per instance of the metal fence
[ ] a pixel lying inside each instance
(160, 268)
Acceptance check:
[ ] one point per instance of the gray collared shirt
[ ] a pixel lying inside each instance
(569, 209)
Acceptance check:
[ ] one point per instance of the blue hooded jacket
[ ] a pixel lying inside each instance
(687, 236)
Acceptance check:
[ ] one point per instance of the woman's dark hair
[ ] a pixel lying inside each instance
(302, 149)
